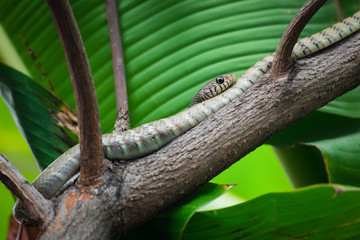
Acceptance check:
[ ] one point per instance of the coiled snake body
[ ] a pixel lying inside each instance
(152, 136)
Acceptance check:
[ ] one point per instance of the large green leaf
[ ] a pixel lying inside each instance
(171, 224)
(304, 165)
(33, 109)
(318, 212)
(338, 139)
(170, 48)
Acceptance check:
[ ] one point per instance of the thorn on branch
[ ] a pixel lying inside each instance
(282, 60)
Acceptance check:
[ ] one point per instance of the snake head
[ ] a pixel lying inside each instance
(213, 88)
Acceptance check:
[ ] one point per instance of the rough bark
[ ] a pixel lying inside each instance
(136, 191)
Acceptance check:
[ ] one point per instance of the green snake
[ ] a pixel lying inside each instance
(216, 94)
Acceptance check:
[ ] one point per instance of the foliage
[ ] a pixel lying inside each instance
(171, 48)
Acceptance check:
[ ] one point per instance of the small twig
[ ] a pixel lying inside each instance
(122, 118)
(339, 10)
(282, 60)
(32, 200)
(92, 161)
(20, 230)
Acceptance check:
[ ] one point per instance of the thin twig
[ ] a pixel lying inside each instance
(339, 10)
(122, 118)
(92, 161)
(20, 230)
(32, 200)
(282, 59)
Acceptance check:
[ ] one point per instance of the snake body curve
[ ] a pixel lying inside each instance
(136, 142)
(152, 136)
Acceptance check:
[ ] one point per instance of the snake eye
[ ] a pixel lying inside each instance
(220, 80)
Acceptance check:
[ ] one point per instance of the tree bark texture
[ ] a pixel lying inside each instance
(136, 191)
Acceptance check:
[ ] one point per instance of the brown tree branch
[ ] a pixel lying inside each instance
(282, 60)
(38, 207)
(246, 123)
(122, 118)
(92, 162)
(140, 189)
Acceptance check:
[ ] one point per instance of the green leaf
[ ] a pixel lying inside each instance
(170, 49)
(257, 173)
(336, 137)
(318, 212)
(346, 105)
(171, 224)
(33, 109)
(304, 165)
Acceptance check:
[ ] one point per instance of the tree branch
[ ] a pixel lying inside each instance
(228, 135)
(92, 162)
(282, 60)
(33, 201)
(141, 189)
(122, 118)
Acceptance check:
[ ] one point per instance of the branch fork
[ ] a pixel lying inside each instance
(282, 63)
(38, 207)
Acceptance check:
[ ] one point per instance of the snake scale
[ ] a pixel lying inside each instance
(150, 137)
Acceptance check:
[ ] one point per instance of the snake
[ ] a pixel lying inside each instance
(213, 96)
